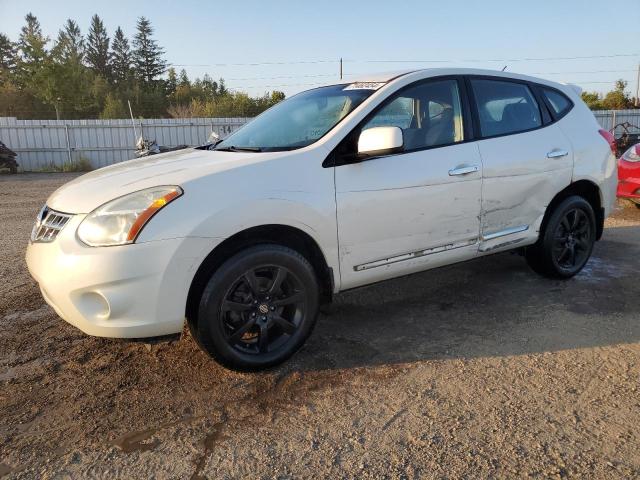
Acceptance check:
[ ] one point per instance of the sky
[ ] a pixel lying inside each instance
(259, 46)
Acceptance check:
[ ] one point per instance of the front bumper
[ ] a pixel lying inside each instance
(128, 291)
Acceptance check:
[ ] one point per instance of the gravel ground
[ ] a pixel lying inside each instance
(472, 371)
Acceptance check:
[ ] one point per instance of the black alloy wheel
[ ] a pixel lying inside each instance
(573, 239)
(566, 241)
(262, 309)
(258, 308)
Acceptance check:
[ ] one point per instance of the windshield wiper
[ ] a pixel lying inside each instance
(233, 148)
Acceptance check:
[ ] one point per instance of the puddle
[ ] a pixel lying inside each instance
(23, 369)
(210, 442)
(8, 374)
(137, 441)
(5, 469)
(598, 269)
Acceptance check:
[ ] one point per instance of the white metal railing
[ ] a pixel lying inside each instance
(42, 144)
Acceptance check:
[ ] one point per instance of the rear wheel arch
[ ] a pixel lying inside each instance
(585, 189)
(274, 234)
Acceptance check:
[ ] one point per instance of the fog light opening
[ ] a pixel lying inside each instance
(94, 305)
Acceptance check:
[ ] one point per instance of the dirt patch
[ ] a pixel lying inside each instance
(476, 370)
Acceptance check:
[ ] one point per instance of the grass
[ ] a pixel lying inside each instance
(81, 165)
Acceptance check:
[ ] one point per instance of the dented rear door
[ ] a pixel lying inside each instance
(522, 173)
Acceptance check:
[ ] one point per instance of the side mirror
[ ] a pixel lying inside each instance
(380, 141)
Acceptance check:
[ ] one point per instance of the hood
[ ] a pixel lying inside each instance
(87, 192)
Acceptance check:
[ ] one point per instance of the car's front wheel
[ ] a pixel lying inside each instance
(566, 243)
(258, 308)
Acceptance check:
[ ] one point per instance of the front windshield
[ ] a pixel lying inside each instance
(298, 121)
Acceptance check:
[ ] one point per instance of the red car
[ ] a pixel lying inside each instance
(629, 175)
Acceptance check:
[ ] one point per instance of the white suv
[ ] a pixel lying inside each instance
(336, 187)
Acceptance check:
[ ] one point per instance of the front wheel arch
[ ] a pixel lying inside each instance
(275, 234)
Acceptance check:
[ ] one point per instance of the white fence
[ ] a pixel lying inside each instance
(43, 144)
(609, 118)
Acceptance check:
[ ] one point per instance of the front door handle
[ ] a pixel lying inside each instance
(557, 153)
(463, 170)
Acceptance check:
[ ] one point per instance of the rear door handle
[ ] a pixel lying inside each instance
(557, 153)
(463, 170)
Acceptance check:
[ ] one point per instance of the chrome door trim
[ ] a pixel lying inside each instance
(412, 255)
(507, 231)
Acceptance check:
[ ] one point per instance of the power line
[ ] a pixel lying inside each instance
(336, 61)
(277, 86)
(288, 76)
(532, 59)
(591, 71)
(254, 64)
(610, 82)
(328, 75)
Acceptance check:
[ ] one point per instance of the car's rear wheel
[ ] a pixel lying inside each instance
(258, 308)
(566, 243)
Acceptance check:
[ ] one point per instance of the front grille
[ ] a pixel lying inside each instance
(48, 225)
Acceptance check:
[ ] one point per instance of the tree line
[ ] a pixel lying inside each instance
(94, 76)
(616, 99)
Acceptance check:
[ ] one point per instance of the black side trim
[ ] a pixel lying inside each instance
(544, 107)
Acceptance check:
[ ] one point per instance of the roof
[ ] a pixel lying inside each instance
(377, 77)
(384, 77)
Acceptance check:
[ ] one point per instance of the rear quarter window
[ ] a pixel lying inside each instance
(558, 102)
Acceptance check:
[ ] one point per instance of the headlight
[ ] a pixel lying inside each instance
(119, 221)
(633, 154)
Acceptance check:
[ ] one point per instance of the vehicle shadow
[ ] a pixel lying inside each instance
(492, 306)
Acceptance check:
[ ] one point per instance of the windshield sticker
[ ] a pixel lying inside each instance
(364, 86)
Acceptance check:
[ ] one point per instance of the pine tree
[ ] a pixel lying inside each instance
(32, 51)
(209, 87)
(120, 58)
(98, 48)
(8, 53)
(147, 54)
(172, 81)
(70, 43)
(222, 88)
(184, 80)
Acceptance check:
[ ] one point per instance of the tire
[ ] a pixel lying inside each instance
(567, 240)
(258, 308)
(637, 205)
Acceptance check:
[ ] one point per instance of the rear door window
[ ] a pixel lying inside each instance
(505, 107)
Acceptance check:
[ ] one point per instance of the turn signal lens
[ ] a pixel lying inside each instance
(120, 221)
(611, 140)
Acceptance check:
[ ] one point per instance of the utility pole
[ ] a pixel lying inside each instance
(638, 88)
(341, 68)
